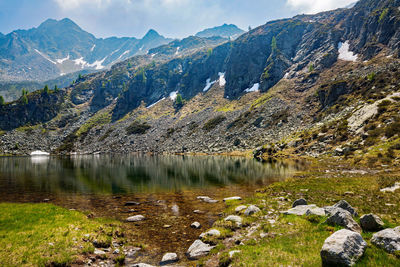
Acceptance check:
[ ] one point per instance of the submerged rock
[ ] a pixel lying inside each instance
(299, 202)
(344, 218)
(232, 198)
(198, 249)
(131, 203)
(342, 248)
(371, 222)
(142, 265)
(305, 210)
(136, 218)
(169, 258)
(388, 239)
(195, 225)
(207, 199)
(251, 210)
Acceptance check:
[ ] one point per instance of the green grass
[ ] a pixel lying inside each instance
(44, 234)
(98, 119)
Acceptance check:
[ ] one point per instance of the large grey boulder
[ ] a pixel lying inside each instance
(371, 223)
(251, 210)
(299, 202)
(344, 218)
(198, 249)
(342, 248)
(169, 258)
(388, 239)
(236, 219)
(305, 210)
(346, 206)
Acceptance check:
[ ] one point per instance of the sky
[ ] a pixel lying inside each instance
(171, 18)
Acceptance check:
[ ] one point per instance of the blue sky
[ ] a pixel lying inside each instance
(171, 18)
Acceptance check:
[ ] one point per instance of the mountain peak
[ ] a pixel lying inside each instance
(66, 22)
(151, 34)
(225, 30)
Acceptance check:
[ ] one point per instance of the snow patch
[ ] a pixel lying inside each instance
(177, 50)
(44, 56)
(345, 53)
(153, 55)
(97, 64)
(60, 61)
(209, 83)
(152, 105)
(140, 49)
(222, 80)
(254, 88)
(123, 54)
(92, 49)
(173, 95)
(80, 61)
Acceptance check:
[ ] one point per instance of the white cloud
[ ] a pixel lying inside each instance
(74, 4)
(314, 6)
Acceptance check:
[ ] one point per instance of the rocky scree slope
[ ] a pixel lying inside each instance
(132, 107)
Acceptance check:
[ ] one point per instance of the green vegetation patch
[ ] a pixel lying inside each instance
(212, 123)
(98, 119)
(44, 234)
(137, 127)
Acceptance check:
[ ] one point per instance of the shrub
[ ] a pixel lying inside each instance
(383, 106)
(371, 76)
(212, 123)
(1, 100)
(137, 128)
(392, 129)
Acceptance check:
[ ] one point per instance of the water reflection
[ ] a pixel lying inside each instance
(105, 174)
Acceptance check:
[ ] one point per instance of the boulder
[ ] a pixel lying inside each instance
(169, 258)
(207, 199)
(232, 198)
(346, 206)
(371, 223)
(305, 210)
(212, 232)
(388, 239)
(235, 219)
(240, 208)
(251, 210)
(136, 218)
(344, 218)
(342, 248)
(299, 202)
(198, 249)
(195, 225)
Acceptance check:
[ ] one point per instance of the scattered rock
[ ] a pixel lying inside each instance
(142, 265)
(235, 219)
(136, 218)
(169, 258)
(167, 226)
(342, 248)
(212, 232)
(131, 203)
(195, 225)
(240, 208)
(198, 249)
(251, 210)
(346, 206)
(198, 211)
(344, 218)
(99, 252)
(232, 198)
(207, 199)
(305, 210)
(116, 251)
(371, 222)
(299, 202)
(392, 188)
(388, 239)
(233, 252)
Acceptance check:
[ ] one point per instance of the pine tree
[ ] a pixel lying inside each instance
(46, 90)
(56, 89)
(2, 102)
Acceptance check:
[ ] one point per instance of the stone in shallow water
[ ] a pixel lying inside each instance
(251, 210)
(388, 239)
(342, 248)
(142, 265)
(195, 225)
(131, 203)
(198, 249)
(371, 222)
(207, 199)
(136, 218)
(169, 258)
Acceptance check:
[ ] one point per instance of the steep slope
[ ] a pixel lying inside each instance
(266, 86)
(60, 47)
(228, 31)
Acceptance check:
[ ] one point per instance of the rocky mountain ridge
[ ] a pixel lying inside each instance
(272, 84)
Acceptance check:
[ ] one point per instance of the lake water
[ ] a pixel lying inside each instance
(165, 186)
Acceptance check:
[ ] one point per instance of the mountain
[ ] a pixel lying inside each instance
(311, 84)
(59, 47)
(225, 31)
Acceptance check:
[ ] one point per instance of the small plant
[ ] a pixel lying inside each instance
(120, 260)
(371, 76)
(179, 102)
(383, 15)
(2, 102)
(311, 68)
(209, 52)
